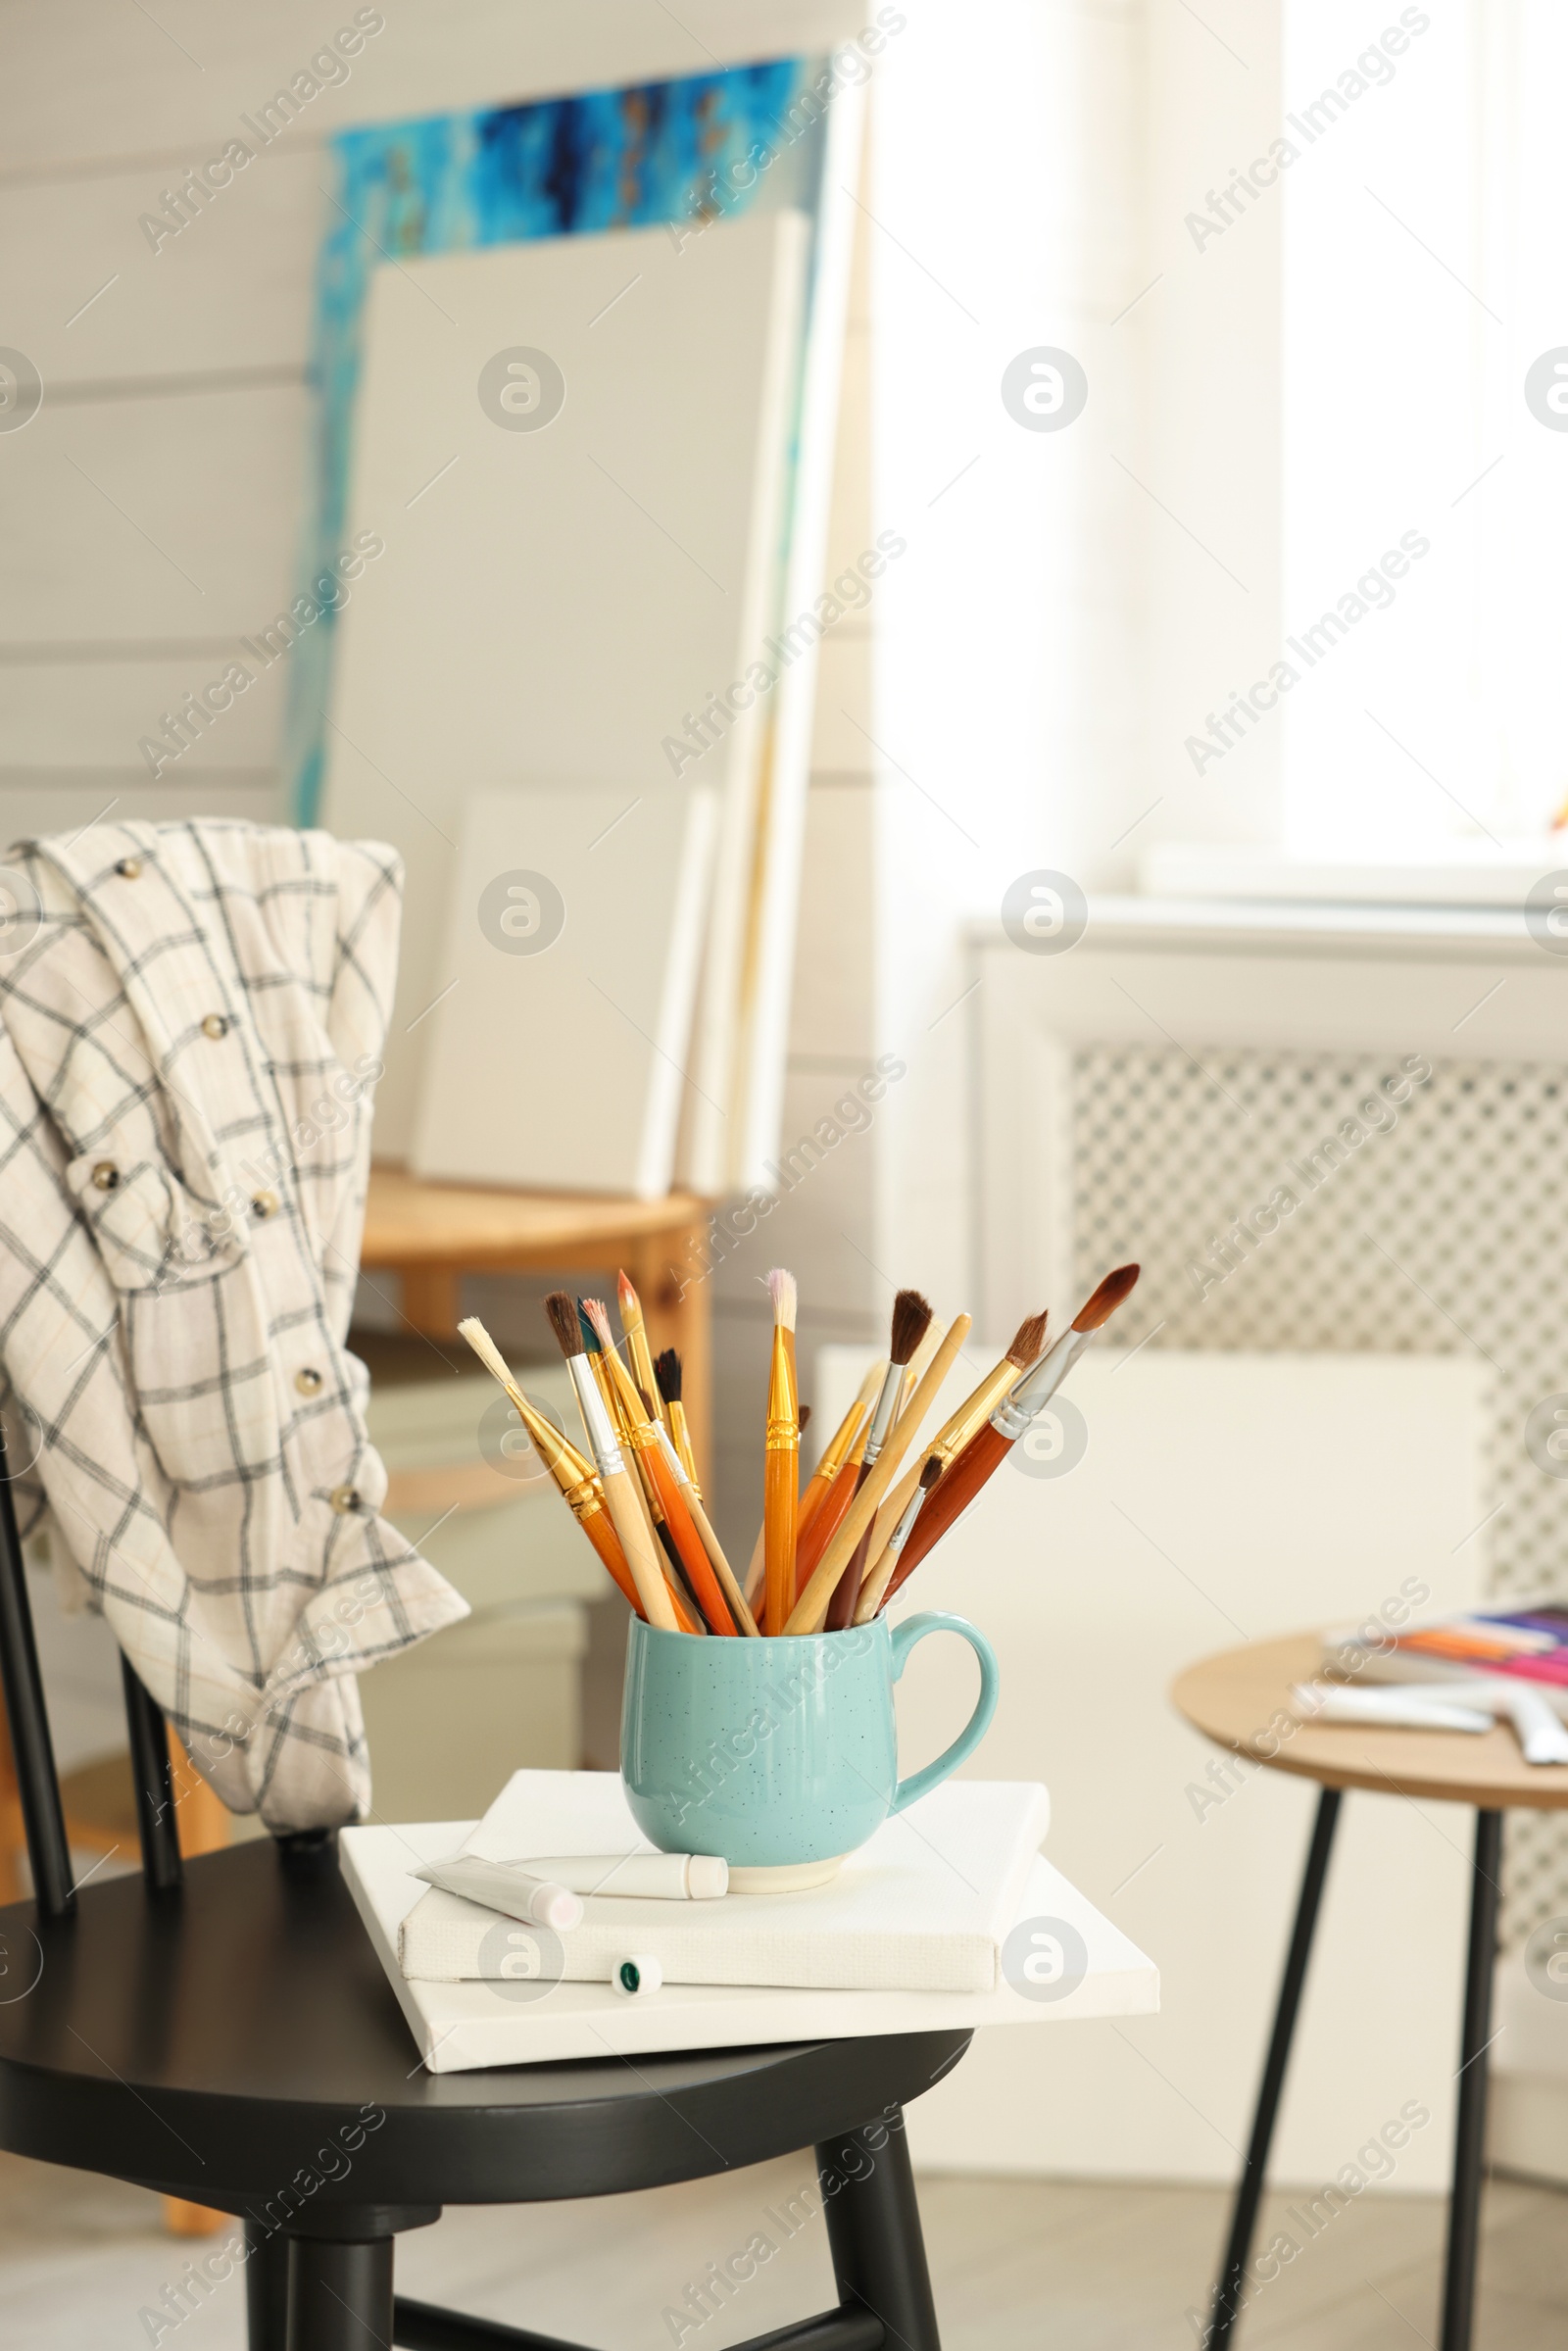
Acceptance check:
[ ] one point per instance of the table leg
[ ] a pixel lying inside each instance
(1227, 2301)
(1470, 2131)
(431, 1298)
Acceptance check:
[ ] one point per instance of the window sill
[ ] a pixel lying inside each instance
(1469, 874)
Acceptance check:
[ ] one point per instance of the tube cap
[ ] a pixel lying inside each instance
(706, 1876)
(637, 1976)
(553, 1906)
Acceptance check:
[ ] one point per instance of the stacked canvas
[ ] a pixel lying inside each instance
(583, 456)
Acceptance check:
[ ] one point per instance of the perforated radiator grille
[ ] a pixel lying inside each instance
(1446, 1232)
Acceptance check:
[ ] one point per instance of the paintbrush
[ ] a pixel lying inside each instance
(667, 1377)
(881, 1575)
(642, 1362)
(836, 1452)
(954, 1434)
(812, 1605)
(643, 1437)
(911, 1319)
(992, 1444)
(835, 1505)
(675, 1444)
(573, 1475)
(755, 1566)
(619, 1392)
(621, 1497)
(781, 1473)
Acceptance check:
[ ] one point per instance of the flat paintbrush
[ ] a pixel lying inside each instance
(911, 1319)
(954, 1434)
(781, 1470)
(991, 1445)
(669, 1380)
(645, 1436)
(621, 1497)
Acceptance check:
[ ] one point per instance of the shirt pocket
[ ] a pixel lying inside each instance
(150, 1233)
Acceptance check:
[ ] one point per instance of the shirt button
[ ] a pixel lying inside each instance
(344, 1500)
(214, 1025)
(264, 1204)
(129, 869)
(106, 1175)
(307, 1381)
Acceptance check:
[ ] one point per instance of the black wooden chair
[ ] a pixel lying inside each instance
(224, 2032)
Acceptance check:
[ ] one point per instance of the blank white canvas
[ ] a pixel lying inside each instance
(1222, 1498)
(552, 602)
(565, 1070)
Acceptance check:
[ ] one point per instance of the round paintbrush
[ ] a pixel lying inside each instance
(911, 1319)
(954, 1434)
(990, 1446)
(781, 1478)
(621, 1497)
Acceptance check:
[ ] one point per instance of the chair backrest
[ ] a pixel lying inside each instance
(37, 1780)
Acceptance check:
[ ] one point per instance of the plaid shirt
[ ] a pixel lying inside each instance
(192, 1022)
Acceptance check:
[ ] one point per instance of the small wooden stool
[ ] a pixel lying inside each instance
(1234, 1698)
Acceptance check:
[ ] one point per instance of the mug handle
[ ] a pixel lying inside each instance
(905, 1636)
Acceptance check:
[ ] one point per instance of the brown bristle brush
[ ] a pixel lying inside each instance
(911, 1319)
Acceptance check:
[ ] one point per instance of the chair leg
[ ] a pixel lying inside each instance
(266, 2288)
(339, 2295)
(1470, 2134)
(1226, 2306)
(873, 2230)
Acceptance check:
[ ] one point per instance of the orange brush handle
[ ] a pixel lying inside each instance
(826, 1521)
(595, 1525)
(816, 1488)
(847, 1591)
(949, 1499)
(780, 1503)
(688, 1542)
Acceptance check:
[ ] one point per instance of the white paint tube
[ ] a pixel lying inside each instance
(656, 1877)
(501, 1885)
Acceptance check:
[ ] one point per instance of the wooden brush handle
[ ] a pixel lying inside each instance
(847, 1591)
(812, 1541)
(595, 1525)
(948, 1499)
(812, 1607)
(780, 1494)
(739, 1607)
(626, 1506)
(688, 1542)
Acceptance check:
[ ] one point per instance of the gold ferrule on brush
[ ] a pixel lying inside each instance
(681, 1433)
(783, 1435)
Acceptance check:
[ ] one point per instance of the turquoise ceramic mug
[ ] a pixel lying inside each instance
(781, 1755)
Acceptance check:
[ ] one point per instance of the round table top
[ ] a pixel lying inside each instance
(1241, 1699)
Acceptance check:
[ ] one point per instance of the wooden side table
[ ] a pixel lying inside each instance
(1234, 1698)
(432, 1234)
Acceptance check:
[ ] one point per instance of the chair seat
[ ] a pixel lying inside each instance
(216, 2042)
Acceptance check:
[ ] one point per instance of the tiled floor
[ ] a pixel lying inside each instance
(1019, 2266)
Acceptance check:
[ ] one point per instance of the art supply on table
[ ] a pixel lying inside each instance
(637, 1874)
(912, 1320)
(781, 1459)
(638, 1978)
(1392, 1709)
(1522, 1641)
(985, 1452)
(621, 1496)
(504, 1886)
(656, 1465)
